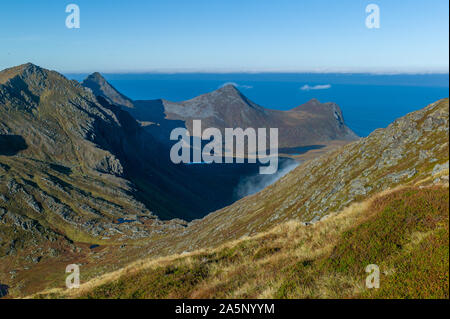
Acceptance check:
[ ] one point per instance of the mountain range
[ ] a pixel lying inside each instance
(85, 178)
(310, 124)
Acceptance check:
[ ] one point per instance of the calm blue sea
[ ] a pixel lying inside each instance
(367, 101)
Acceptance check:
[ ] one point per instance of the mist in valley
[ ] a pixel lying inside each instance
(249, 185)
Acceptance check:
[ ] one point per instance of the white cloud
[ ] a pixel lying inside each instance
(241, 86)
(307, 87)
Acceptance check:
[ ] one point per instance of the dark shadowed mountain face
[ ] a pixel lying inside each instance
(11, 144)
(3, 290)
(308, 126)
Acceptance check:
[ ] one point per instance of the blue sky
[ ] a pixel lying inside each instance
(226, 36)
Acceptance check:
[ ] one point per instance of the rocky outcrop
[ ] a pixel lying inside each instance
(100, 87)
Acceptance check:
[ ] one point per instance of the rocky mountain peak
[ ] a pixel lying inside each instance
(229, 89)
(100, 87)
(23, 71)
(225, 93)
(227, 97)
(97, 78)
(24, 84)
(313, 101)
(315, 105)
(31, 68)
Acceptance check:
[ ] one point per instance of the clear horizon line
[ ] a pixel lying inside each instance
(262, 71)
(380, 71)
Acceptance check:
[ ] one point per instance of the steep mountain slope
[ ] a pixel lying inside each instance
(64, 158)
(382, 199)
(100, 87)
(313, 122)
(310, 124)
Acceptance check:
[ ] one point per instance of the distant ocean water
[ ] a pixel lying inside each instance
(367, 101)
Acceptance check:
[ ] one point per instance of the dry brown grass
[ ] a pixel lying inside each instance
(316, 240)
(289, 261)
